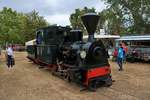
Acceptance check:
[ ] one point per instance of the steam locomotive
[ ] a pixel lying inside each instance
(68, 56)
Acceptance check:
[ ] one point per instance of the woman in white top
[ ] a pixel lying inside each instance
(9, 51)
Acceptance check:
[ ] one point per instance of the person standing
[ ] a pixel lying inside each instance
(125, 48)
(120, 57)
(9, 52)
(115, 53)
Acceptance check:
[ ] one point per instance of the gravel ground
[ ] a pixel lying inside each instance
(25, 81)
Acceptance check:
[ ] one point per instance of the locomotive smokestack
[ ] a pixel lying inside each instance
(90, 21)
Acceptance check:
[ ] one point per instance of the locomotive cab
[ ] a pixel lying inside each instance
(49, 40)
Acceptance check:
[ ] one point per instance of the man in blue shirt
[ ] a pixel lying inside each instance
(120, 57)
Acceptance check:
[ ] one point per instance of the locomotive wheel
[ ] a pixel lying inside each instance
(132, 60)
(54, 70)
(69, 79)
(108, 82)
(92, 85)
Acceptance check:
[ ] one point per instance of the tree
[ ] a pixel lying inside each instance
(111, 21)
(9, 25)
(19, 27)
(75, 18)
(135, 13)
(32, 22)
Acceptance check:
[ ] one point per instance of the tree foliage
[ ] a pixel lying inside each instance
(133, 14)
(75, 18)
(120, 17)
(110, 21)
(19, 27)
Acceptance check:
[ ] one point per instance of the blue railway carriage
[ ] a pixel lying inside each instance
(138, 47)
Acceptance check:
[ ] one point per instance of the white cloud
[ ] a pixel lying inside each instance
(100, 6)
(54, 11)
(59, 19)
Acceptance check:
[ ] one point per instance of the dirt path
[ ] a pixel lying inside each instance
(27, 82)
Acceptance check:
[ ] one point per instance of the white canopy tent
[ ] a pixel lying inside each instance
(31, 42)
(102, 36)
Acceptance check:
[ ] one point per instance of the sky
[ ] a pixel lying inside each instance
(54, 11)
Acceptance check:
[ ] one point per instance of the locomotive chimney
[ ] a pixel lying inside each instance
(90, 21)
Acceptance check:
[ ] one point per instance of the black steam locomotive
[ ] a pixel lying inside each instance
(69, 57)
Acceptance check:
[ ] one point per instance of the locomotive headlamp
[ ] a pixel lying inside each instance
(83, 54)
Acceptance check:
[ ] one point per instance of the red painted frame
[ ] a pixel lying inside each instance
(96, 72)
